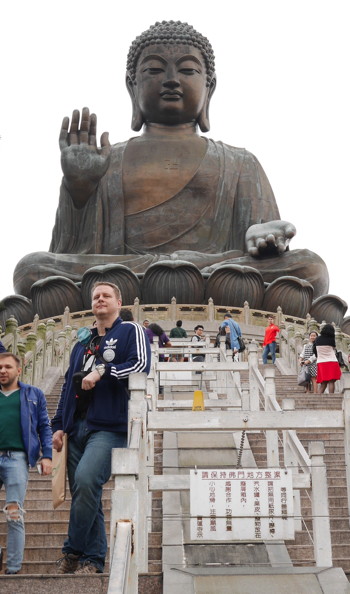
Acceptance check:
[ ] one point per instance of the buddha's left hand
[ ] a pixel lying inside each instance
(273, 236)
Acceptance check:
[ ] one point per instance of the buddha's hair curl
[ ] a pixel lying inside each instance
(172, 32)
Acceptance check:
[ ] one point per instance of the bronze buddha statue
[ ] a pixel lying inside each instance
(169, 195)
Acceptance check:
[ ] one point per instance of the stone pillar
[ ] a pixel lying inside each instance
(253, 365)
(137, 309)
(211, 310)
(346, 410)
(271, 436)
(246, 313)
(320, 509)
(173, 309)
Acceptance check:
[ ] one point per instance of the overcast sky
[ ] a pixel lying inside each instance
(282, 93)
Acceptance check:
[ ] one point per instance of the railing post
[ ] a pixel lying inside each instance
(279, 316)
(346, 410)
(11, 328)
(119, 575)
(66, 317)
(124, 507)
(137, 309)
(253, 363)
(290, 463)
(320, 509)
(246, 313)
(130, 498)
(138, 415)
(173, 309)
(211, 310)
(271, 436)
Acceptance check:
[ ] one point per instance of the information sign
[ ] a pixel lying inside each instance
(241, 504)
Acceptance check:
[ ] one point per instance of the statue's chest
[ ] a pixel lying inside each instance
(154, 171)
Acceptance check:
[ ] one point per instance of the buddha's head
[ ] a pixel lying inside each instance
(171, 76)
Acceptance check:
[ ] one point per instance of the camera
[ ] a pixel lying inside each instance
(77, 380)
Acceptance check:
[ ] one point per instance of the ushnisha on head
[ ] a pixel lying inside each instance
(165, 40)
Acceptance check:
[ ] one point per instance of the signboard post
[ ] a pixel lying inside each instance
(241, 504)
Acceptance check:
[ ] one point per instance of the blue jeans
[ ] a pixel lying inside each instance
(89, 468)
(14, 475)
(269, 348)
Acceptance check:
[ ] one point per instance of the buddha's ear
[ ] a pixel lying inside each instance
(137, 119)
(203, 119)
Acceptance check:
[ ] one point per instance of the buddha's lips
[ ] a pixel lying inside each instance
(171, 95)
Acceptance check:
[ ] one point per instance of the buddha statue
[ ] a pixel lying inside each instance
(170, 197)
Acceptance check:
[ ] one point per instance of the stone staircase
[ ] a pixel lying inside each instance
(301, 549)
(46, 528)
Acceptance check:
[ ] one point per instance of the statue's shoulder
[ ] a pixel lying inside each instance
(235, 151)
(238, 157)
(119, 147)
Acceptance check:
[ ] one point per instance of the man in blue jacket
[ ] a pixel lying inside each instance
(24, 431)
(234, 330)
(93, 411)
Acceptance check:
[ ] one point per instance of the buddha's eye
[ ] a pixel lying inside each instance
(153, 70)
(189, 71)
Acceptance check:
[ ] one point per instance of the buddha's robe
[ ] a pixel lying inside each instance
(228, 193)
(204, 223)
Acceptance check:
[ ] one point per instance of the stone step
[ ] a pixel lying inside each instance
(41, 527)
(343, 562)
(338, 536)
(150, 583)
(337, 491)
(336, 473)
(337, 513)
(155, 566)
(42, 566)
(155, 539)
(54, 584)
(58, 514)
(335, 501)
(304, 553)
(45, 505)
(35, 494)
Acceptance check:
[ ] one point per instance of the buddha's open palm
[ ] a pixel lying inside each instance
(83, 163)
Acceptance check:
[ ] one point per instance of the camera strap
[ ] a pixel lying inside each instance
(92, 353)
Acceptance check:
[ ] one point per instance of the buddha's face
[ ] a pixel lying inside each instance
(171, 84)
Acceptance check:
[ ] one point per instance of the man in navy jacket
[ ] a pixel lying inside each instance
(93, 411)
(24, 431)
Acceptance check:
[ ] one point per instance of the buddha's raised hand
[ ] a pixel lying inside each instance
(83, 163)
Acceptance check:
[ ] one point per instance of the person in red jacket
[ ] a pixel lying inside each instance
(269, 343)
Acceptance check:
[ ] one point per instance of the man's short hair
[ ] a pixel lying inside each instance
(126, 314)
(115, 288)
(227, 315)
(270, 316)
(179, 323)
(16, 359)
(198, 326)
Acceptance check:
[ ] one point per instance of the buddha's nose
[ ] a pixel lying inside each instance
(171, 81)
